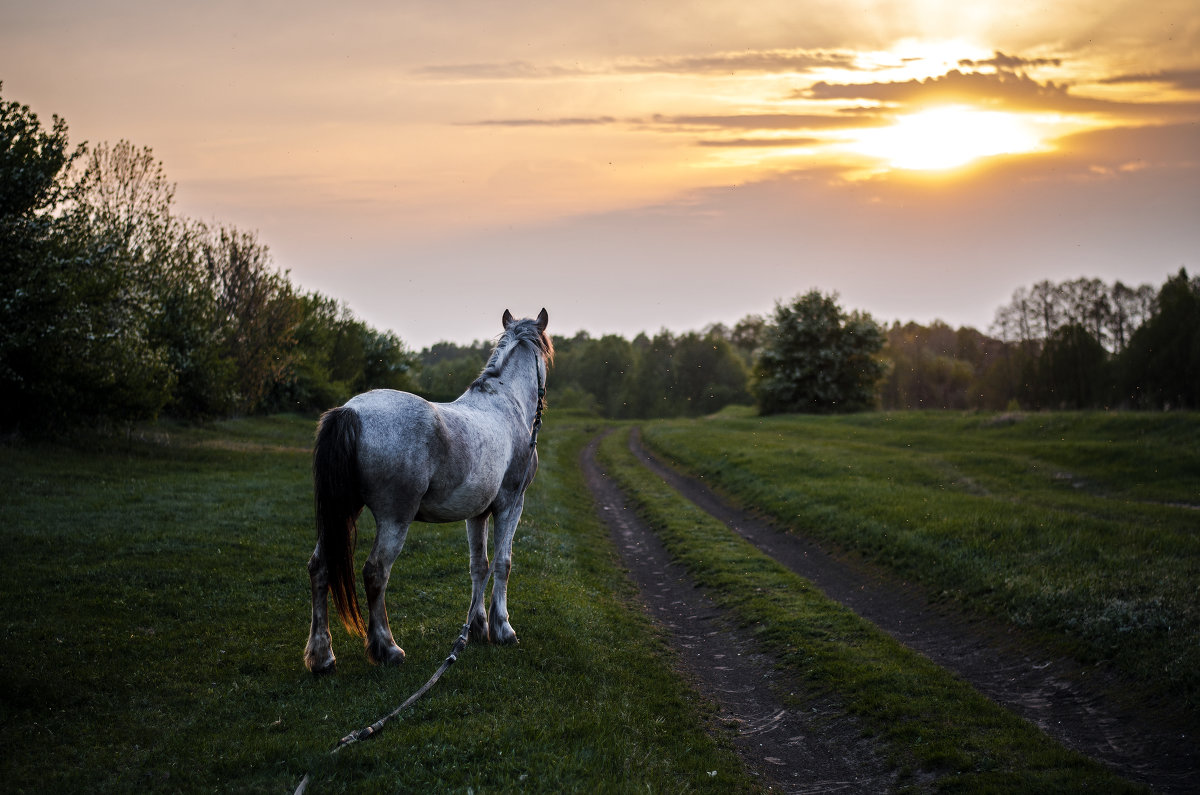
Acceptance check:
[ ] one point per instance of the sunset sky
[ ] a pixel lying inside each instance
(638, 165)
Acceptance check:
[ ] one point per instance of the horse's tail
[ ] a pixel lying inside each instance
(339, 501)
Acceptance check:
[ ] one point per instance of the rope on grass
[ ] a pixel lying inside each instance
(367, 732)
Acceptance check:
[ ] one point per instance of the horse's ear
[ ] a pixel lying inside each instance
(542, 319)
(507, 319)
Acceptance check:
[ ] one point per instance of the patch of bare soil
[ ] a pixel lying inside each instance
(1061, 697)
(816, 750)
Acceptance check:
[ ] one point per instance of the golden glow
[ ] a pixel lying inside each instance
(948, 137)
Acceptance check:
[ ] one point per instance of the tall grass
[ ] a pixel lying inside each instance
(1080, 526)
(157, 606)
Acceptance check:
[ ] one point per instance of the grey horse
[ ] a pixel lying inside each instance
(411, 460)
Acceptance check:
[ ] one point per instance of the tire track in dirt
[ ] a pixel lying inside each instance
(1057, 695)
(818, 751)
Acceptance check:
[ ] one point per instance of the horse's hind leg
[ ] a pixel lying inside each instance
(477, 619)
(506, 527)
(389, 540)
(318, 654)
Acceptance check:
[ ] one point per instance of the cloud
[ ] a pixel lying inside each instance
(510, 70)
(762, 61)
(853, 118)
(748, 62)
(1166, 146)
(1002, 89)
(1009, 62)
(581, 121)
(761, 142)
(1179, 78)
(765, 121)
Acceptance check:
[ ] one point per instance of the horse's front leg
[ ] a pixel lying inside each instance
(477, 534)
(389, 540)
(318, 654)
(506, 527)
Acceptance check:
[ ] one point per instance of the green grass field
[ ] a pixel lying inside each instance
(1078, 527)
(157, 608)
(157, 605)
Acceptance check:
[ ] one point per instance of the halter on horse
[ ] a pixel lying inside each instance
(411, 460)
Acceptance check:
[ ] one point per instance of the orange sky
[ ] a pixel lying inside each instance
(633, 166)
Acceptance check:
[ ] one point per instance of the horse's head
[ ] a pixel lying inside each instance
(518, 334)
(518, 331)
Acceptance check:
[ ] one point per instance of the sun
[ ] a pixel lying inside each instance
(947, 137)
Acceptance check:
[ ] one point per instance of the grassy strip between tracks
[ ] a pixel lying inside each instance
(932, 722)
(157, 606)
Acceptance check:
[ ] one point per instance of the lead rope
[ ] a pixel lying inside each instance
(367, 732)
(541, 406)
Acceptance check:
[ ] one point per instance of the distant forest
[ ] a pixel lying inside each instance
(1080, 344)
(113, 307)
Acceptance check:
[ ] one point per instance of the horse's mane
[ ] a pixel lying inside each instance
(522, 331)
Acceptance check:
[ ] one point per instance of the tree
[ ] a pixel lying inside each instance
(603, 369)
(747, 337)
(1079, 376)
(447, 369)
(113, 307)
(74, 341)
(1162, 361)
(256, 311)
(1131, 306)
(930, 366)
(816, 358)
(33, 163)
(709, 374)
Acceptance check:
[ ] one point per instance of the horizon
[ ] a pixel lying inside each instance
(633, 169)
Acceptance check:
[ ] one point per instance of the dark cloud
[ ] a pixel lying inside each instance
(1179, 78)
(1005, 87)
(765, 121)
(1002, 61)
(1001, 89)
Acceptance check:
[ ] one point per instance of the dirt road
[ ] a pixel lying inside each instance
(1057, 695)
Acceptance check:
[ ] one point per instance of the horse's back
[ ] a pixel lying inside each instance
(447, 456)
(391, 418)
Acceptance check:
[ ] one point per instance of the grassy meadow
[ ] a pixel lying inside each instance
(157, 607)
(158, 604)
(1080, 528)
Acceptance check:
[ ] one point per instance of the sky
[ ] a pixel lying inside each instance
(633, 166)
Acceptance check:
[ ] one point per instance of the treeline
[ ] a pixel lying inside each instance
(666, 375)
(1069, 345)
(113, 306)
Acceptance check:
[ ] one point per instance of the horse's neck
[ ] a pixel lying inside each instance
(518, 381)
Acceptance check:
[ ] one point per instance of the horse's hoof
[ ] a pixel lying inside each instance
(320, 667)
(392, 655)
(504, 635)
(478, 631)
(324, 670)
